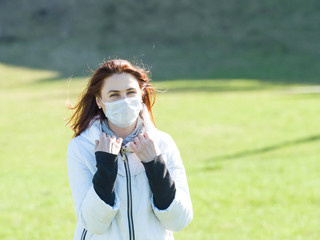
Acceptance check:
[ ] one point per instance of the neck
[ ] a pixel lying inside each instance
(122, 132)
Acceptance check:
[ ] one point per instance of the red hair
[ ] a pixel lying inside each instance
(87, 108)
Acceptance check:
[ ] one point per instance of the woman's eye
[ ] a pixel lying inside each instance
(132, 92)
(114, 95)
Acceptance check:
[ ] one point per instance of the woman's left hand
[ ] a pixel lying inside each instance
(145, 148)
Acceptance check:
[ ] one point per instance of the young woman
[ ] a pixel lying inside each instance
(127, 178)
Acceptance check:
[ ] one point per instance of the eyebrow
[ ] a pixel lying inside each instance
(116, 91)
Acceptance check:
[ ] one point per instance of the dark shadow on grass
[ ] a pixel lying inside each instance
(198, 41)
(263, 149)
(69, 62)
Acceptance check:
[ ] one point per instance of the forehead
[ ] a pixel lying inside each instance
(120, 81)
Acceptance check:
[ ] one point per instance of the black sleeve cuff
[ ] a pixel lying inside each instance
(105, 177)
(161, 183)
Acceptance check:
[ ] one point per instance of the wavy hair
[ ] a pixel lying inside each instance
(87, 109)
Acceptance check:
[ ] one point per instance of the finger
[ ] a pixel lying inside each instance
(119, 140)
(150, 141)
(96, 145)
(137, 141)
(141, 138)
(146, 135)
(103, 135)
(133, 146)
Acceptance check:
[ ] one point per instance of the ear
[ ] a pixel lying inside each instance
(98, 102)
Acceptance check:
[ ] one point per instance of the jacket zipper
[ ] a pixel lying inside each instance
(129, 194)
(84, 233)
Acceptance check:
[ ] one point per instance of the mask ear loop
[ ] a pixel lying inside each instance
(100, 99)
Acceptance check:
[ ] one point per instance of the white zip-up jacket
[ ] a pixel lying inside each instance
(97, 220)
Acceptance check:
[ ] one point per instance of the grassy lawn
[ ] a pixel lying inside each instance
(250, 148)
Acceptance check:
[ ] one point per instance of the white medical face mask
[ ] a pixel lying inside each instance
(123, 113)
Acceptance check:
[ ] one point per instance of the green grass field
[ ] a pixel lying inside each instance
(250, 148)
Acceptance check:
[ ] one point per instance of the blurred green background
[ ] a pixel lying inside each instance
(270, 40)
(241, 101)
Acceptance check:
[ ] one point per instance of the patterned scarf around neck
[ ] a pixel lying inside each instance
(130, 137)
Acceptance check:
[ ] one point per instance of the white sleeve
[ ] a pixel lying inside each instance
(179, 213)
(93, 213)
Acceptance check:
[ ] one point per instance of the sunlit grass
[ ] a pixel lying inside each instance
(249, 147)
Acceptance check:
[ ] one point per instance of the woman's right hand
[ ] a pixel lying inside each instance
(108, 144)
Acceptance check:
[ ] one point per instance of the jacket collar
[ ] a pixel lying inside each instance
(94, 130)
